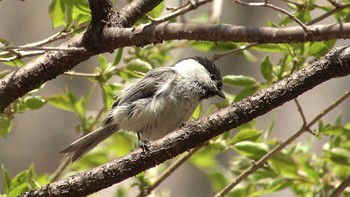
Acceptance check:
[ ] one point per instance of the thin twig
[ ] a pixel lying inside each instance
(339, 190)
(184, 9)
(35, 48)
(22, 54)
(269, 5)
(327, 14)
(260, 163)
(78, 74)
(57, 36)
(56, 175)
(299, 5)
(334, 3)
(239, 49)
(300, 110)
(18, 55)
(147, 191)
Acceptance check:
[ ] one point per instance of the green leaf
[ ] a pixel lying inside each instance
(339, 156)
(82, 104)
(3, 41)
(284, 165)
(274, 48)
(333, 130)
(197, 113)
(103, 62)
(213, 46)
(57, 13)
(3, 73)
(246, 135)
(19, 189)
(80, 11)
(251, 149)
(118, 57)
(157, 11)
(319, 49)
(204, 159)
(311, 172)
(15, 63)
(239, 80)
(5, 127)
(248, 56)
(61, 101)
(277, 184)
(109, 91)
(139, 65)
(266, 68)
(246, 92)
(218, 180)
(7, 180)
(239, 191)
(34, 102)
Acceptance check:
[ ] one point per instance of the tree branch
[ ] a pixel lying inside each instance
(135, 10)
(339, 190)
(101, 10)
(334, 64)
(51, 64)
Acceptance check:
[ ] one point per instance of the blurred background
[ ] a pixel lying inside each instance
(38, 136)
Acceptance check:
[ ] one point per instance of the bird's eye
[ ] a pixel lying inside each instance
(212, 77)
(219, 85)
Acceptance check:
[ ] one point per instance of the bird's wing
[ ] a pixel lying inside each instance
(147, 86)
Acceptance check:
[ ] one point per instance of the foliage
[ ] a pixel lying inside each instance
(296, 168)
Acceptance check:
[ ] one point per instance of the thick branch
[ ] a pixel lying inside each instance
(101, 10)
(135, 10)
(334, 64)
(177, 31)
(50, 65)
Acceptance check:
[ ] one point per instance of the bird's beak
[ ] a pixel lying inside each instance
(220, 93)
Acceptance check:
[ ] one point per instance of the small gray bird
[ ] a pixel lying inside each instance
(157, 104)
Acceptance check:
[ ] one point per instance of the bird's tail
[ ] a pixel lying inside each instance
(84, 144)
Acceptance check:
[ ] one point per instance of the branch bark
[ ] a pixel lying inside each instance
(334, 64)
(51, 64)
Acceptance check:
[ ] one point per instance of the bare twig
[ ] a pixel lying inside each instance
(182, 10)
(55, 37)
(57, 173)
(299, 5)
(17, 54)
(147, 191)
(237, 50)
(79, 74)
(269, 5)
(300, 110)
(339, 190)
(260, 163)
(327, 14)
(35, 48)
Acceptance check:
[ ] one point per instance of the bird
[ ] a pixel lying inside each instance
(157, 104)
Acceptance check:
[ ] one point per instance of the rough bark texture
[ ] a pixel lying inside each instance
(106, 37)
(334, 64)
(54, 63)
